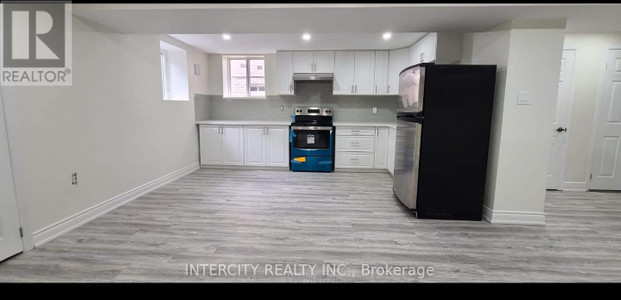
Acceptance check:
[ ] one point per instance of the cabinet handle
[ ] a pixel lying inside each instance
(352, 89)
(356, 89)
(388, 89)
(222, 130)
(376, 89)
(290, 88)
(376, 132)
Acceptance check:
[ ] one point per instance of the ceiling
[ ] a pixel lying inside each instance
(269, 43)
(268, 27)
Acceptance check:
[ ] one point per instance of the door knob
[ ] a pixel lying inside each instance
(561, 129)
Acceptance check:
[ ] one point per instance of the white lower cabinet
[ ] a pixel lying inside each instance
(362, 147)
(221, 145)
(381, 148)
(392, 143)
(266, 146)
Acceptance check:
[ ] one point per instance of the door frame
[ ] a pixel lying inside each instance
(598, 102)
(570, 104)
(22, 212)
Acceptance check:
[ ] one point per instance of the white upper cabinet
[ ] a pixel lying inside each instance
(285, 73)
(381, 72)
(323, 61)
(303, 62)
(364, 72)
(398, 62)
(313, 62)
(443, 48)
(343, 83)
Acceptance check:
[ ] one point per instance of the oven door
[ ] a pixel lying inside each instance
(312, 140)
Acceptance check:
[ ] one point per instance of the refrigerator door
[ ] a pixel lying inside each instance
(411, 86)
(407, 157)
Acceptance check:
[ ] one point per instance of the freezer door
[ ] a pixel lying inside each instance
(411, 90)
(407, 157)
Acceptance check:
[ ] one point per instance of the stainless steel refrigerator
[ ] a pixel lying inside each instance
(443, 127)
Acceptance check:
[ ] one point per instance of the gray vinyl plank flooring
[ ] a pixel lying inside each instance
(269, 217)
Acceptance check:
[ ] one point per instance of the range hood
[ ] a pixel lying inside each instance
(313, 76)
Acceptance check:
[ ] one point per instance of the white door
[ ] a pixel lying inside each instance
(397, 62)
(381, 72)
(606, 164)
(324, 62)
(381, 148)
(558, 150)
(10, 239)
(278, 146)
(343, 83)
(233, 145)
(255, 146)
(302, 62)
(285, 73)
(210, 144)
(364, 72)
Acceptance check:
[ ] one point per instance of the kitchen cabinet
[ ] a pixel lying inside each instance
(438, 47)
(397, 62)
(285, 72)
(266, 146)
(381, 72)
(303, 62)
(364, 72)
(343, 82)
(381, 148)
(313, 61)
(210, 144)
(221, 145)
(392, 143)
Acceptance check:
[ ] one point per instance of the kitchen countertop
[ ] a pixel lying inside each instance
(287, 123)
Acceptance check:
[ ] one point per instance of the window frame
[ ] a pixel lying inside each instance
(228, 92)
(164, 75)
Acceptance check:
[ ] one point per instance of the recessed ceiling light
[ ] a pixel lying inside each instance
(387, 35)
(306, 37)
(226, 36)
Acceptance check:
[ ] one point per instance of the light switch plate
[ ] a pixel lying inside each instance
(523, 98)
(374, 109)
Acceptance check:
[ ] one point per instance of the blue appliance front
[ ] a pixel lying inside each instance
(311, 150)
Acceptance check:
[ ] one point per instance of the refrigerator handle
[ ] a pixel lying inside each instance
(412, 118)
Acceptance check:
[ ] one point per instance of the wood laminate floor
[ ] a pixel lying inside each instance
(279, 219)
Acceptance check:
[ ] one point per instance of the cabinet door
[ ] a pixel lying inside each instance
(397, 62)
(278, 146)
(381, 148)
(427, 46)
(302, 62)
(324, 62)
(392, 140)
(255, 145)
(232, 145)
(210, 144)
(343, 83)
(285, 73)
(381, 72)
(414, 54)
(364, 72)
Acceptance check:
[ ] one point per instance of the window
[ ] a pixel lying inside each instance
(174, 72)
(243, 77)
(165, 90)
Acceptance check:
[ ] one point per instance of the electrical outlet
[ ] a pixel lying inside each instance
(282, 107)
(74, 179)
(374, 110)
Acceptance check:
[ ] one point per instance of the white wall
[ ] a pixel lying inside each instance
(111, 127)
(529, 60)
(589, 66)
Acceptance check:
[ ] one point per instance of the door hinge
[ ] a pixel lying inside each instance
(21, 232)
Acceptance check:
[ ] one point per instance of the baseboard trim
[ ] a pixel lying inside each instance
(574, 186)
(57, 229)
(242, 167)
(513, 217)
